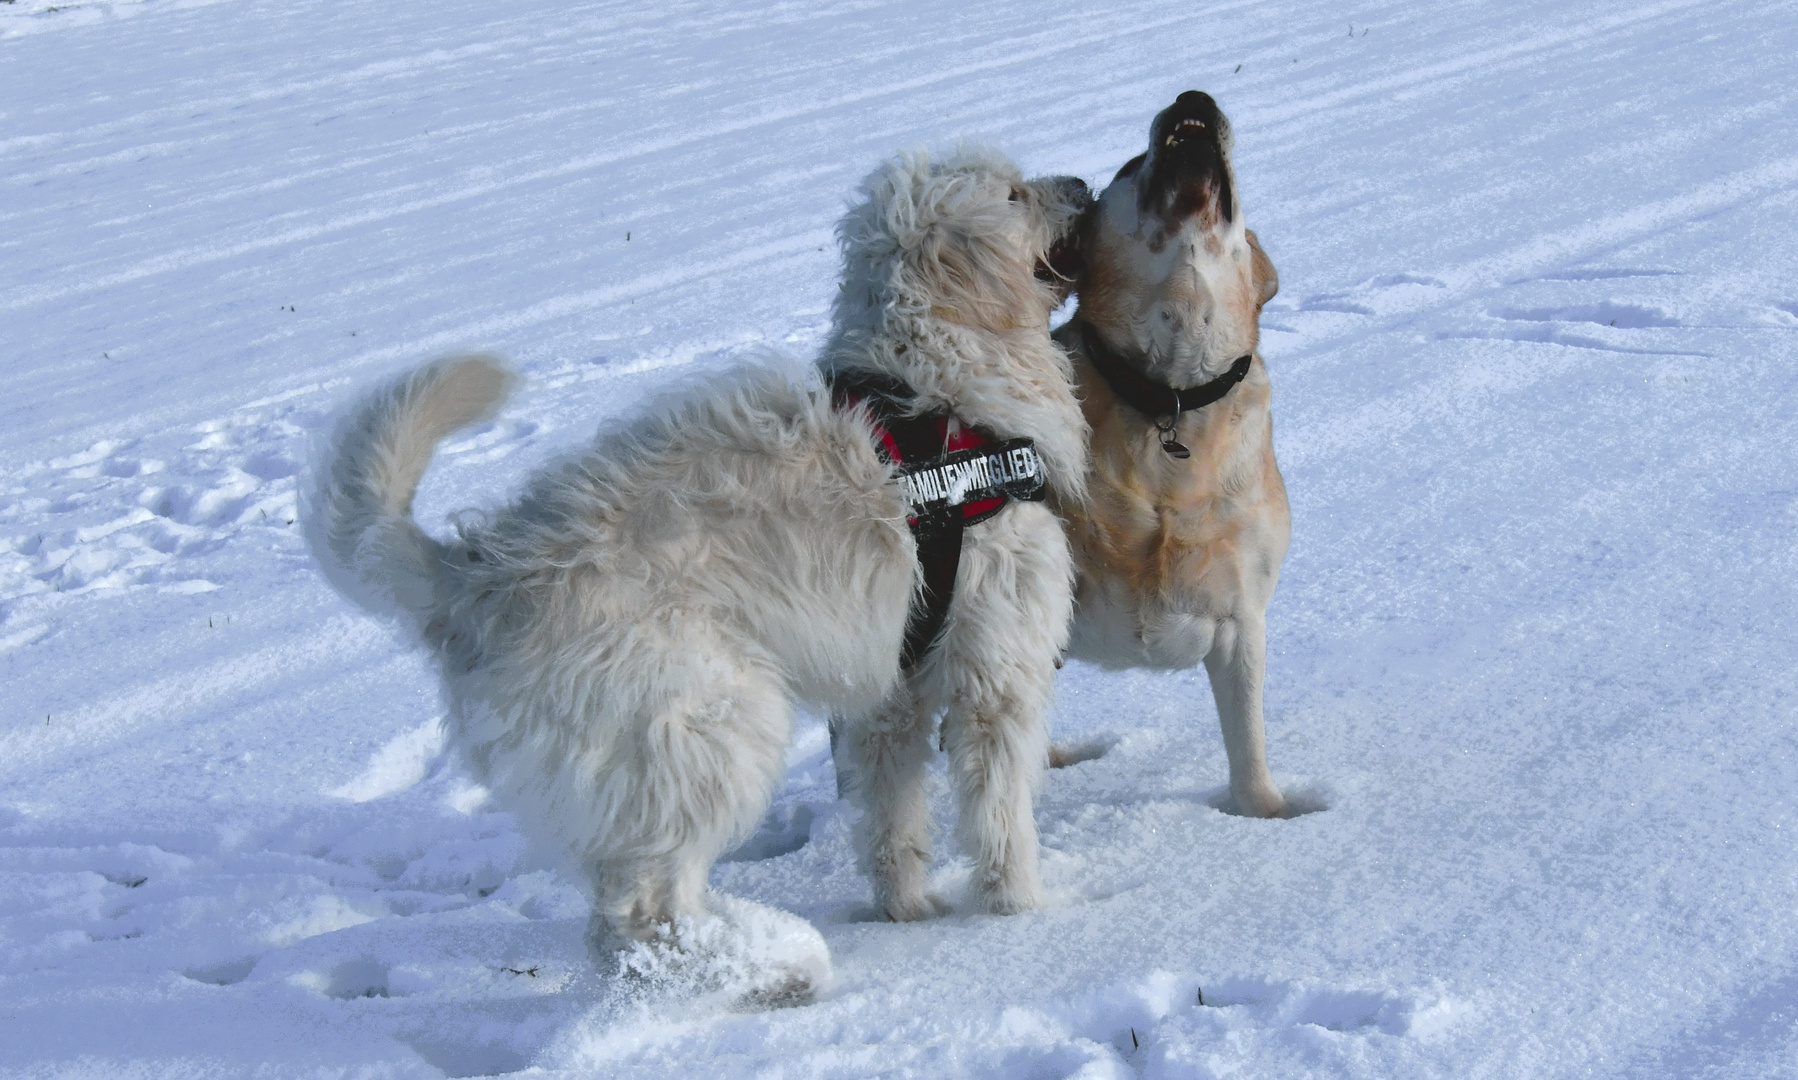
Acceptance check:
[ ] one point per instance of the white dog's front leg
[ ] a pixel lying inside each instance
(886, 754)
(998, 746)
(1237, 664)
(1008, 625)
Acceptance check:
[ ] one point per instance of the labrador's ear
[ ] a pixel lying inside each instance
(1262, 272)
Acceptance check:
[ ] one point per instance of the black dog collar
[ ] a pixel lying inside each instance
(1159, 402)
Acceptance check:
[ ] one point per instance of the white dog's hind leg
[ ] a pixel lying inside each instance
(697, 778)
(693, 778)
(887, 753)
(642, 898)
(1237, 664)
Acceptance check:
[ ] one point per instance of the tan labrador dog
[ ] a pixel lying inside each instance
(1181, 542)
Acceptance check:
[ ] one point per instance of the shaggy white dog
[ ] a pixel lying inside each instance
(621, 644)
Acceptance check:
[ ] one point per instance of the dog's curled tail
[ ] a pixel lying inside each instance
(360, 518)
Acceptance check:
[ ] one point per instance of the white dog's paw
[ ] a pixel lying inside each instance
(754, 957)
(913, 908)
(1011, 894)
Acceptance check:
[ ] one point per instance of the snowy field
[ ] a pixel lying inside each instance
(1532, 657)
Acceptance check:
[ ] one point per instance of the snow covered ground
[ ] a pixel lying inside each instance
(1532, 656)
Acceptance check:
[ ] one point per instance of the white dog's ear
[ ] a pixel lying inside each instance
(970, 280)
(942, 269)
(1261, 271)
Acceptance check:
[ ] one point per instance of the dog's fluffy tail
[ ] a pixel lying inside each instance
(360, 519)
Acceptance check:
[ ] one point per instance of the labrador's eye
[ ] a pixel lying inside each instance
(1017, 193)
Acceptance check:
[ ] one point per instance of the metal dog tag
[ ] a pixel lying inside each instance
(1172, 446)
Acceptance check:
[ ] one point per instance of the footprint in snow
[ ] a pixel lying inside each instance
(1607, 313)
(229, 973)
(354, 979)
(1383, 293)
(1605, 274)
(1180, 1025)
(1067, 755)
(1337, 303)
(468, 1054)
(1392, 281)
(785, 830)
(1330, 1008)
(131, 519)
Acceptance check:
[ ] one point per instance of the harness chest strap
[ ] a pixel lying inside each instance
(954, 476)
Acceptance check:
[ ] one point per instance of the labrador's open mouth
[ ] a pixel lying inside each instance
(1188, 172)
(1188, 128)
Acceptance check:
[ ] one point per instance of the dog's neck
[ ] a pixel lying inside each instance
(1150, 396)
(1014, 382)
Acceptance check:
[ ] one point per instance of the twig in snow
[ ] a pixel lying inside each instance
(531, 971)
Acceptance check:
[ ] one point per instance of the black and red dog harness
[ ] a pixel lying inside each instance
(954, 476)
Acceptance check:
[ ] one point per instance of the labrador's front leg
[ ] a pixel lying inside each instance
(1237, 664)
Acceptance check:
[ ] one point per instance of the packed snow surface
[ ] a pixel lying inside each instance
(1532, 668)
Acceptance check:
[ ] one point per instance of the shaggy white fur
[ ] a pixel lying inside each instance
(944, 289)
(621, 644)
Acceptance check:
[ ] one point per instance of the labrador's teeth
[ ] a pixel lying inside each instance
(1170, 141)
